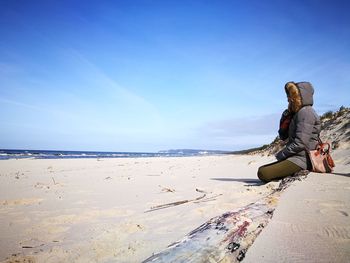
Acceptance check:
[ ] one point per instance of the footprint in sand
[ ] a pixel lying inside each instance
(333, 211)
(343, 213)
(333, 232)
(293, 228)
(333, 207)
(337, 232)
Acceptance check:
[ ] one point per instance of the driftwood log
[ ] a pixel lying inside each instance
(227, 237)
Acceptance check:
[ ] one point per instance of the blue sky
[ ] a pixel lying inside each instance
(154, 75)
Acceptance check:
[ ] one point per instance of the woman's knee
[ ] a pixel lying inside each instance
(262, 175)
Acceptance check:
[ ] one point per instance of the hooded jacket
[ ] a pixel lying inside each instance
(305, 126)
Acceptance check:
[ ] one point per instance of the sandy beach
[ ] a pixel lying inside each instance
(310, 224)
(133, 131)
(97, 210)
(104, 210)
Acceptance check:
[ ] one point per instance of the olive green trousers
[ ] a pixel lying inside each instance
(277, 170)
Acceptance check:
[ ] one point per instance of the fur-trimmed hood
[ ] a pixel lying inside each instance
(300, 94)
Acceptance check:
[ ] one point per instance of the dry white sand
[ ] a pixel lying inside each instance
(94, 210)
(310, 224)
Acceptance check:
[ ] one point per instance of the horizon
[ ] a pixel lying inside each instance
(55, 150)
(147, 76)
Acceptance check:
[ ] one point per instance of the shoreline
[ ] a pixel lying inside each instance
(7, 154)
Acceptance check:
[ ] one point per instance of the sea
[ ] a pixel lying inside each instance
(54, 154)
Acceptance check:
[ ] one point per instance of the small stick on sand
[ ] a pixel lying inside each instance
(54, 182)
(201, 191)
(208, 199)
(167, 189)
(157, 207)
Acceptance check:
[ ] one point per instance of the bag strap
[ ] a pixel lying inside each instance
(319, 139)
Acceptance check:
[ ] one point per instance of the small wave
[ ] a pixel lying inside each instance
(42, 154)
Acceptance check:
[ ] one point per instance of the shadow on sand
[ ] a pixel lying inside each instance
(342, 174)
(250, 182)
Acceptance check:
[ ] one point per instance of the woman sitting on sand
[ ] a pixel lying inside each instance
(300, 124)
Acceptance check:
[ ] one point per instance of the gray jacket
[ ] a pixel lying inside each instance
(304, 129)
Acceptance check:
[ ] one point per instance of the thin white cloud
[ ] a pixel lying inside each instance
(107, 82)
(238, 133)
(108, 85)
(19, 104)
(248, 126)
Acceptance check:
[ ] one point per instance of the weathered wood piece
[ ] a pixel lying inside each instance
(227, 237)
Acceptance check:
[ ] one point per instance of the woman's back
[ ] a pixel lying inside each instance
(303, 133)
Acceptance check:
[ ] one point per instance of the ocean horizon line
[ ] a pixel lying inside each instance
(66, 154)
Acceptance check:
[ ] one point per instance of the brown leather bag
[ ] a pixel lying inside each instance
(321, 159)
